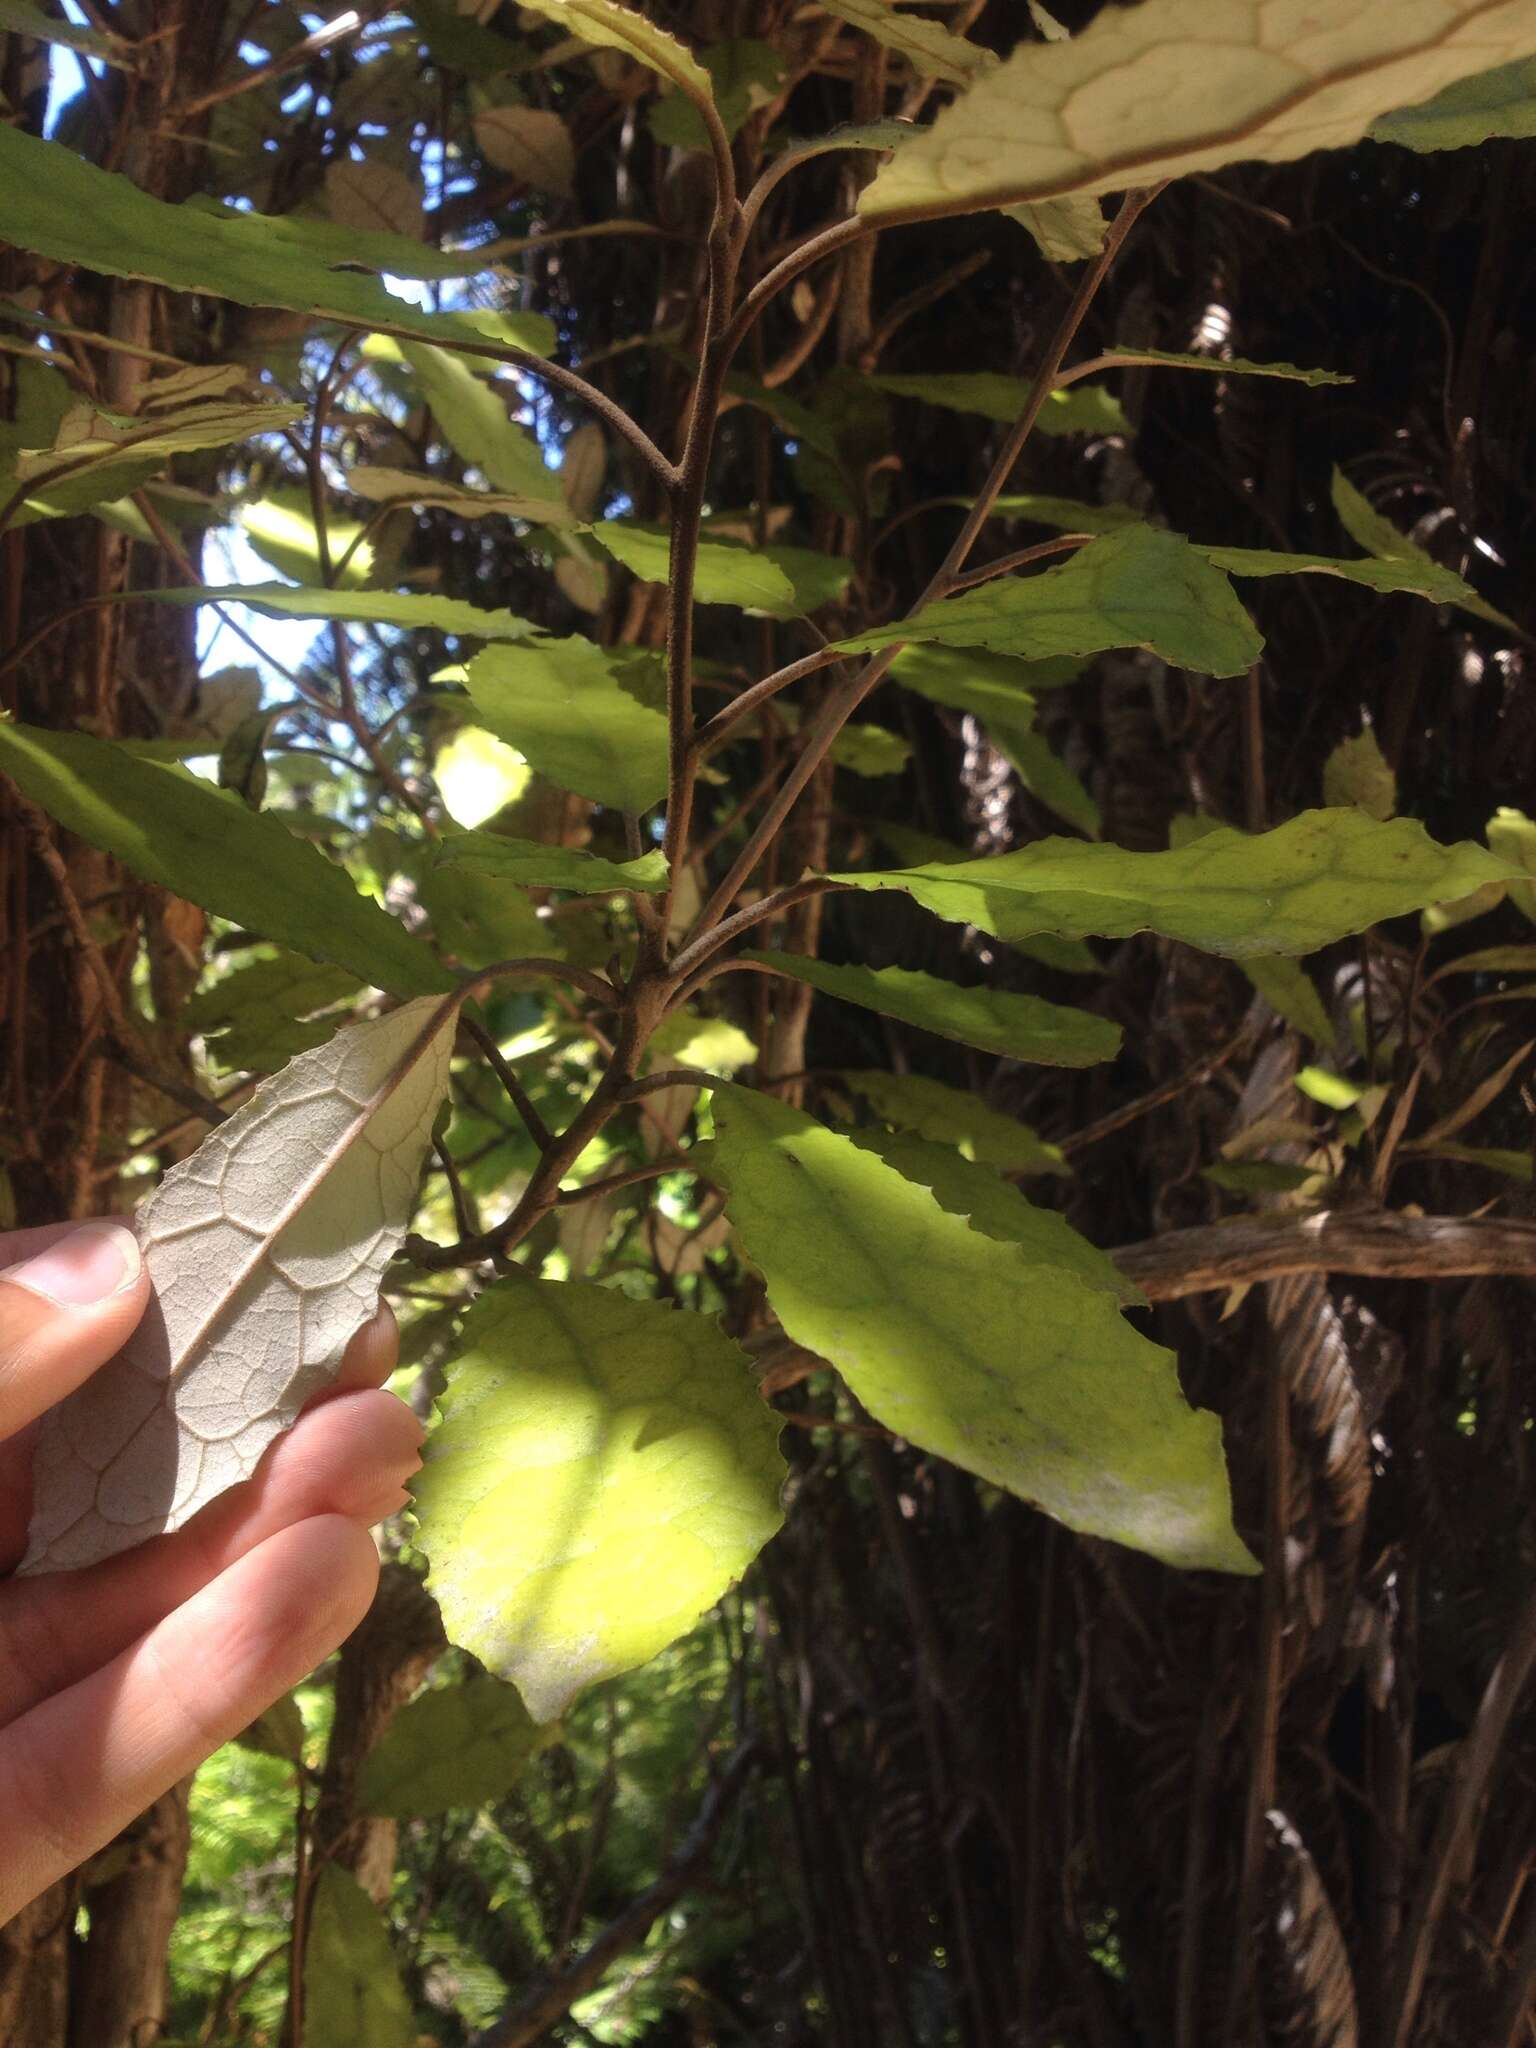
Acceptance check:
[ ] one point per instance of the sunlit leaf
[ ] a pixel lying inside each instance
(478, 775)
(970, 1347)
(473, 412)
(1292, 994)
(602, 1472)
(18, 19)
(725, 574)
(1019, 1027)
(1315, 879)
(1067, 230)
(562, 705)
(953, 1116)
(204, 844)
(266, 1249)
(1138, 588)
(458, 1745)
(54, 203)
(1171, 87)
(408, 487)
(994, 1206)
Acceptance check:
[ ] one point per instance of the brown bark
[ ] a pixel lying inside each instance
(1380, 1245)
(118, 1986)
(381, 1665)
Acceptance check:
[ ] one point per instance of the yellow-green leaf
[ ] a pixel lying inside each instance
(531, 866)
(1379, 537)
(431, 614)
(1081, 409)
(975, 1349)
(1019, 1027)
(206, 845)
(932, 50)
(952, 1116)
(602, 1472)
(352, 1989)
(1136, 588)
(262, 1014)
(1315, 879)
(1172, 87)
(54, 203)
(459, 1745)
(562, 705)
(724, 573)
(1497, 102)
(610, 26)
(1358, 772)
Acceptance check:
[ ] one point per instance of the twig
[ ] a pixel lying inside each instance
(515, 1092)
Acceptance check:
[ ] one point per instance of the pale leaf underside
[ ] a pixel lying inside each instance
(266, 1249)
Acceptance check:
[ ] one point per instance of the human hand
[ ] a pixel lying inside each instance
(117, 1680)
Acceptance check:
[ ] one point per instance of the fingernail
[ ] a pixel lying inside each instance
(90, 1265)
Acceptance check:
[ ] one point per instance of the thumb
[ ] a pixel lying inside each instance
(63, 1312)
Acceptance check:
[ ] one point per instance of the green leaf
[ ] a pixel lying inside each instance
(932, 50)
(602, 1472)
(461, 1745)
(609, 26)
(1328, 1088)
(1066, 230)
(746, 74)
(479, 918)
(970, 1347)
(1228, 366)
(1421, 576)
(562, 705)
(472, 412)
(864, 748)
(532, 866)
(205, 845)
(1139, 588)
(1379, 537)
(1497, 102)
(1164, 90)
(999, 689)
(369, 248)
(994, 1206)
(97, 456)
(1358, 772)
(1512, 838)
(1066, 515)
(352, 1990)
(1258, 1176)
(383, 486)
(1317, 878)
(1019, 1027)
(684, 1039)
(1292, 994)
(950, 1116)
(55, 204)
(1047, 777)
(1081, 409)
(725, 573)
(278, 1732)
(430, 614)
(1498, 1159)
(17, 19)
(258, 1017)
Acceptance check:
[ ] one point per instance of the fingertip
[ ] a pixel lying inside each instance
(323, 1574)
(372, 1353)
